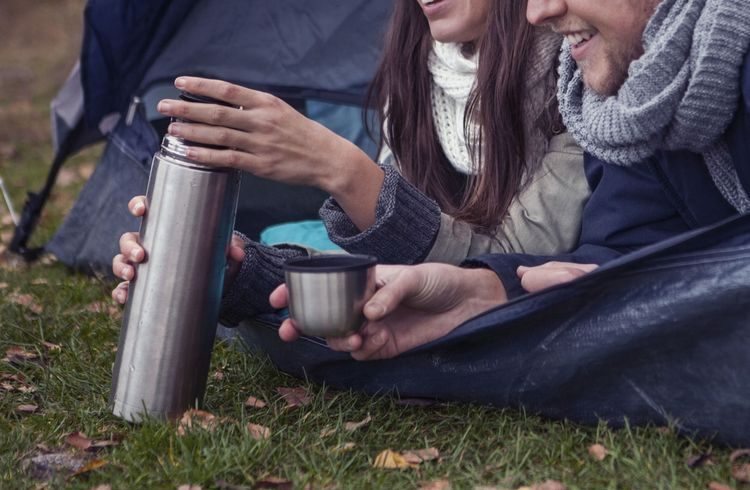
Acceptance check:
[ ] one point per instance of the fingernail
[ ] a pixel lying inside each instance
(134, 254)
(163, 106)
(180, 83)
(175, 129)
(139, 206)
(120, 297)
(351, 343)
(375, 309)
(522, 268)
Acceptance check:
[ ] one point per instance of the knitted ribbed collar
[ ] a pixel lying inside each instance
(681, 94)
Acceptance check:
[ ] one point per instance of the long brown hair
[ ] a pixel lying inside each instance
(401, 91)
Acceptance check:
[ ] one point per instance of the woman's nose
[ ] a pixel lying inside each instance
(540, 12)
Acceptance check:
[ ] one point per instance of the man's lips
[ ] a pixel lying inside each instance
(579, 41)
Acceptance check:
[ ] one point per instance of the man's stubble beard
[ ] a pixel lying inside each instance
(618, 64)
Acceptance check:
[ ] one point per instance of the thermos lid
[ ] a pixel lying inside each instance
(202, 99)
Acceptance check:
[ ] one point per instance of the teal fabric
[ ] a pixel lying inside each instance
(311, 234)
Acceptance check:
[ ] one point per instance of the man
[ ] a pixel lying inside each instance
(658, 94)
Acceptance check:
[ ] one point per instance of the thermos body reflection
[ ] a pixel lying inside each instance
(173, 304)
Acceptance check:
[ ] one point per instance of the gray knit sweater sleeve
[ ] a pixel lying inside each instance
(406, 223)
(260, 273)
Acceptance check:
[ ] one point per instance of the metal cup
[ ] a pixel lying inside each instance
(327, 292)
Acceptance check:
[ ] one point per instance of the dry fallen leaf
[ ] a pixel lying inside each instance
(102, 443)
(18, 355)
(218, 375)
(741, 472)
(51, 347)
(78, 440)
(328, 431)
(253, 402)
(92, 465)
(549, 485)
(421, 455)
(546, 485)
(739, 453)
(436, 485)
(189, 487)
(3, 285)
(16, 382)
(25, 300)
(39, 281)
(718, 486)
(258, 432)
(274, 482)
(196, 418)
(27, 408)
(598, 452)
(390, 460)
(699, 461)
(352, 426)
(342, 448)
(294, 397)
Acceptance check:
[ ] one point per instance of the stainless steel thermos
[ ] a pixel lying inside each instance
(173, 303)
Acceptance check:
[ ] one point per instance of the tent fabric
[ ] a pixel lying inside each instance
(327, 50)
(324, 49)
(657, 336)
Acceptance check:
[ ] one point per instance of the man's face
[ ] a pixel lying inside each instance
(605, 35)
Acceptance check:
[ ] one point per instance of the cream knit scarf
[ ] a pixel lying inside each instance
(453, 78)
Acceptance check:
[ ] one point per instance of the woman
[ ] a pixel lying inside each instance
(471, 127)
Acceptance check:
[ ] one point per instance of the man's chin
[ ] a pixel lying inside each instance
(603, 84)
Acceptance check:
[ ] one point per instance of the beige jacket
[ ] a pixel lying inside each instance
(544, 219)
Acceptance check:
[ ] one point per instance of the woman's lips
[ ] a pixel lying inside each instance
(431, 8)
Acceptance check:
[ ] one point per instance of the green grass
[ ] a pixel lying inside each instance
(478, 445)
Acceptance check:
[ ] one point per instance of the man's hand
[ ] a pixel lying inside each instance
(543, 276)
(412, 306)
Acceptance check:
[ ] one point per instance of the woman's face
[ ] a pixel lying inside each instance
(456, 21)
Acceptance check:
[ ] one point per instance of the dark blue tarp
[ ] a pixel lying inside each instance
(657, 336)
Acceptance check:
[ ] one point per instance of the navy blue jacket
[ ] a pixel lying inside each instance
(631, 207)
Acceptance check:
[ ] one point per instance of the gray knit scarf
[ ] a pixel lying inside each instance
(682, 94)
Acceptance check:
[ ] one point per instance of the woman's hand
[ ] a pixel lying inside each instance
(412, 306)
(132, 253)
(545, 276)
(270, 139)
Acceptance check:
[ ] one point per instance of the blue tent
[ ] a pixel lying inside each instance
(318, 55)
(658, 335)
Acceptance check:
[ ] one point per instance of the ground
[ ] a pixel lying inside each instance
(58, 334)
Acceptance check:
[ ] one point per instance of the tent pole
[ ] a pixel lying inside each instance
(35, 201)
